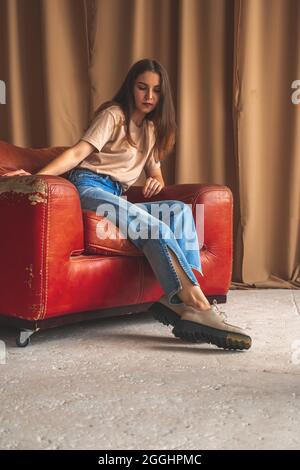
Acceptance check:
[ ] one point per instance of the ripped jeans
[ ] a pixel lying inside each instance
(154, 227)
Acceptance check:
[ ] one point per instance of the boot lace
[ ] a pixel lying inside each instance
(218, 311)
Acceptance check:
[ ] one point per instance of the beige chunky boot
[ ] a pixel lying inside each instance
(210, 326)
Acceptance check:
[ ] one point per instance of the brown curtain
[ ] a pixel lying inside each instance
(231, 65)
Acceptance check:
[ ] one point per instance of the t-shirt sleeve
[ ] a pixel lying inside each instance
(101, 130)
(151, 163)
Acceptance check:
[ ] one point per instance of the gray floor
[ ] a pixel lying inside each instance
(129, 384)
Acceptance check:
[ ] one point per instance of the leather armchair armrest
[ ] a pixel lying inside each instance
(41, 227)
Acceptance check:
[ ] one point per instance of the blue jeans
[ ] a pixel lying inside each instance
(149, 233)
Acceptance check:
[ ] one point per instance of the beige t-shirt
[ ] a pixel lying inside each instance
(116, 157)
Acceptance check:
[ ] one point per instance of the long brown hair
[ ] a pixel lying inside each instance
(163, 115)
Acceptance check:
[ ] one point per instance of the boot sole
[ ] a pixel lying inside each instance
(164, 314)
(195, 332)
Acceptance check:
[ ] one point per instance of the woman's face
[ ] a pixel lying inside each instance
(147, 91)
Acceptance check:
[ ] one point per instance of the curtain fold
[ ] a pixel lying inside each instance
(267, 135)
(231, 65)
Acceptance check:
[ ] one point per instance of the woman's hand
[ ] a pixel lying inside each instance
(152, 187)
(16, 173)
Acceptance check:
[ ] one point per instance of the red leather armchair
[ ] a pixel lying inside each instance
(47, 278)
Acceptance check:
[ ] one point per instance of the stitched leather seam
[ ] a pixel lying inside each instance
(42, 264)
(77, 259)
(47, 253)
(45, 260)
(120, 252)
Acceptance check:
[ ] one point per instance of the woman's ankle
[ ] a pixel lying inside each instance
(201, 305)
(194, 297)
(196, 303)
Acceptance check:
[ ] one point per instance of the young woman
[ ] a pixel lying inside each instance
(131, 133)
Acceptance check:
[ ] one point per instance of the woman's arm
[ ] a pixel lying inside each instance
(63, 163)
(68, 159)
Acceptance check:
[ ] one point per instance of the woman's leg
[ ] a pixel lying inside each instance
(194, 319)
(189, 294)
(178, 216)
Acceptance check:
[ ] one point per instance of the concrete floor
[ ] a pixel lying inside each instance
(127, 383)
